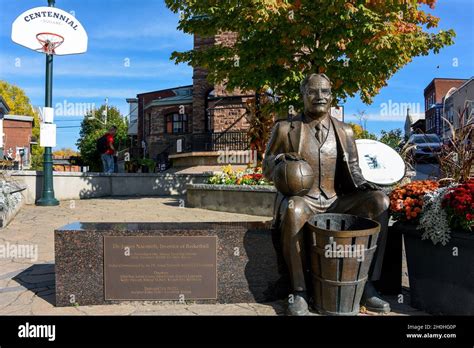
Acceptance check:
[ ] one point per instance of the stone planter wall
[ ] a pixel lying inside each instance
(11, 200)
(72, 185)
(252, 200)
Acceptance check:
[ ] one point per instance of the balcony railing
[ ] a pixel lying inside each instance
(234, 141)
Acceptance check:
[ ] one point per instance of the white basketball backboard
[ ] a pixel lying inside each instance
(50, 24)
(379, 163)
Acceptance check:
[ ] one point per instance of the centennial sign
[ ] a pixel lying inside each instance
(37, 25)
(160, 268)
(53, 32)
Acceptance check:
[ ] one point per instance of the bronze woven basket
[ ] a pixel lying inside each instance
(341, 249)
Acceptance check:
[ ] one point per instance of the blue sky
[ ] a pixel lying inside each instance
(130, 43)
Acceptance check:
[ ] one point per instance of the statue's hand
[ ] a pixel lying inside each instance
(369, 186)
(292, 156)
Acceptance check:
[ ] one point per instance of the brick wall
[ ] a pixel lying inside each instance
(155, 136)
(229, 114)
(434, 94)
(143, 100)
(439, 88)
(223, 114)
(201, 88)
(220, 113)
(17, 134)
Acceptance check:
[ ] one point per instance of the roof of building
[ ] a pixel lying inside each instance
(441, 78)
(61, 161)
(460, 88)
(182, 95)
(412, 118)
(176, 100)
(3, 105)
(418, 123)
(165, 89)
(18, 118)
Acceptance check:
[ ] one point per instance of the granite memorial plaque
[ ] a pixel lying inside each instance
(160, 267)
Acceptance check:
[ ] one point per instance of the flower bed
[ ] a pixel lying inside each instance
(406, 201)
(459, 205)
(441, 277)
(229, 176)
(434, 208)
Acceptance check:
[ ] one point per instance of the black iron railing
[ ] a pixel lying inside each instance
(211, 142)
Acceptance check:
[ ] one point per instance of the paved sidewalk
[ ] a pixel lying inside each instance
(27, 287)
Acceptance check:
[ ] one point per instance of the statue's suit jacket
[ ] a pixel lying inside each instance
(286, 137)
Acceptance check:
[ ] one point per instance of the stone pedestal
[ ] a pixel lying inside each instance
(246, 261)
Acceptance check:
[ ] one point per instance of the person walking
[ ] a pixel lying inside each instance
(105, 146)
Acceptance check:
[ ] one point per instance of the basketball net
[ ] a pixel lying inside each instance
(49, 42)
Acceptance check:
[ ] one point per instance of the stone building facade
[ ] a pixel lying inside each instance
(201, 117)
(460, 102)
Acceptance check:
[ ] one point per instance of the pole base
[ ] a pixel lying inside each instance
(47, 202)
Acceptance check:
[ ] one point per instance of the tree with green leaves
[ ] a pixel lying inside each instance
(392, 138)
(20, 104)
(93, 127)
(359, 44)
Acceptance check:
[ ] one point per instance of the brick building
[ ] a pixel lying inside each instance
(15, 136)
(434, 95)
(66, 164)
(4, 110)
(195, 120)
(17, 131)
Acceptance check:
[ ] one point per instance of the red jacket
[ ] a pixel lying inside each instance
(110, 140)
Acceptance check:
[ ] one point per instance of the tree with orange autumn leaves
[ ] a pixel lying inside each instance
(359, 44)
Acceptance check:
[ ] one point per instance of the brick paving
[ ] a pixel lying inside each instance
(27, 287)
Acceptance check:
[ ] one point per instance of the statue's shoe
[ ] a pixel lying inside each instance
(376, 304)
(372, 301)
(299, 306)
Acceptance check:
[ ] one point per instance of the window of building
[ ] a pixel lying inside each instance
(176, 123)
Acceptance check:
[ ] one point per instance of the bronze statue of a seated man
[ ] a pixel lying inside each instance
(328, 146)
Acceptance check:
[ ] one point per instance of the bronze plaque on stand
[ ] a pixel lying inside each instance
(160, 268)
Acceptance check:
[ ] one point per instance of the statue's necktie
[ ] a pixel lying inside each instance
(319, 133)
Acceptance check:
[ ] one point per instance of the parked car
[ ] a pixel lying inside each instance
(427, 146)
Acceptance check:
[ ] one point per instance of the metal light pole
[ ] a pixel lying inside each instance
(106, 109)
(47, 195)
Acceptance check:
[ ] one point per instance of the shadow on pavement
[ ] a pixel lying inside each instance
(40, 279)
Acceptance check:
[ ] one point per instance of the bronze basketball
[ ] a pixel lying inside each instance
(293, 177)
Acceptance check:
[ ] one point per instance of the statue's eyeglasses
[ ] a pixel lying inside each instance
(322, 91)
